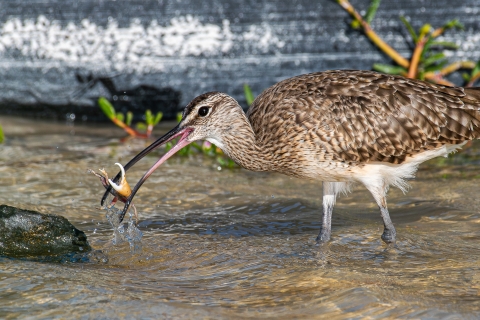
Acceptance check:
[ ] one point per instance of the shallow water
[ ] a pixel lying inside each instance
(236, 244)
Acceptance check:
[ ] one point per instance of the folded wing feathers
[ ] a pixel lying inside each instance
(365, 116)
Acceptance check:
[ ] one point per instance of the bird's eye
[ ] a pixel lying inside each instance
(203, 111)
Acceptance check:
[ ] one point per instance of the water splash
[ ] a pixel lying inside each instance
(134, 237)
(125, 231)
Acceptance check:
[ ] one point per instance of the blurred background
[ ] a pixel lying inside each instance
(219, 242)
(58, 57)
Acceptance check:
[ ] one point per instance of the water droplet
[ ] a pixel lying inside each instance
(219, 168)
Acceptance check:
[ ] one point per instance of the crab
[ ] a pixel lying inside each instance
(120, 191)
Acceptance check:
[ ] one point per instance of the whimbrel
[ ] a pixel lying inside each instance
(339, 127)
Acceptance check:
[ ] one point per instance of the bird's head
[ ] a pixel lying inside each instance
(209, 116)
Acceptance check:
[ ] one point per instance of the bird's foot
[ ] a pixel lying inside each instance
(323, 236)
(389, 236)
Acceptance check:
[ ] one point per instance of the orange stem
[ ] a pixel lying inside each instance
(399, 59)
(473, 79)
(417, 52)
(437, 32)
(437, 78)
(382, 45)
(128, 129)
(456, 66)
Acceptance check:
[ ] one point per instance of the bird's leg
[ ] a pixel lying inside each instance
(329, 197)
(389, 234)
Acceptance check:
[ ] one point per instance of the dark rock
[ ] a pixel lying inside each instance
(25, 233)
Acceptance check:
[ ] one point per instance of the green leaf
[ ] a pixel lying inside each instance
(436, 67)
(444, 44)
(158, 117)
(433, 59)
(179, 117)
(148, 117)
(106, 107)
(476, 69)
(141, 126)
(248, 94)
(410, 29)
(120, 116)
(226, 162)
(196, 146)
(426, 49)
(185, 151)
(421, 75)
(372, 10)
(129, 118)
(389, 69)
(466, 77)
(2, 136)
(231, 163)
(221, 161)
(453, 24)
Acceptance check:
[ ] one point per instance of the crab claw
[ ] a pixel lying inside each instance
(120, 191)
(123, 188)
(103, 176)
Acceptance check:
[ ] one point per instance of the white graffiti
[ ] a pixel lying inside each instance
(134, 47)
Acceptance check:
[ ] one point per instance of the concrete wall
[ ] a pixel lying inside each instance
(58, 56)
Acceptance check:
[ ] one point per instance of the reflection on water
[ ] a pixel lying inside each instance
(232, 243)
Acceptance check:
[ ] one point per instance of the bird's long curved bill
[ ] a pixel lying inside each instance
(175, 132)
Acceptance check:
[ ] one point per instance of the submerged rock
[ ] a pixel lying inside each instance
(25, 233)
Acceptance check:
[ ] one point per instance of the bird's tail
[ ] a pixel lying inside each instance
(471, 112)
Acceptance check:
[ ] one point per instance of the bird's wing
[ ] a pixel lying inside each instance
(360, 116)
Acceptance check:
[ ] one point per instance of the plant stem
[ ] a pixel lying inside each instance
(129, 130)
(456, 66)
(437, 32)
(473, 79)
(149, 130)
(382, 45)
(438, 79)
(417, 53)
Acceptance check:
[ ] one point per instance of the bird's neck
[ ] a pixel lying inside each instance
(239, 143)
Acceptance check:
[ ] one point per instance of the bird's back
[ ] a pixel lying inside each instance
(355, 117)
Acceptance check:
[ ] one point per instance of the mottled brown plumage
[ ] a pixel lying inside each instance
(339, 127)
(362, 116)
